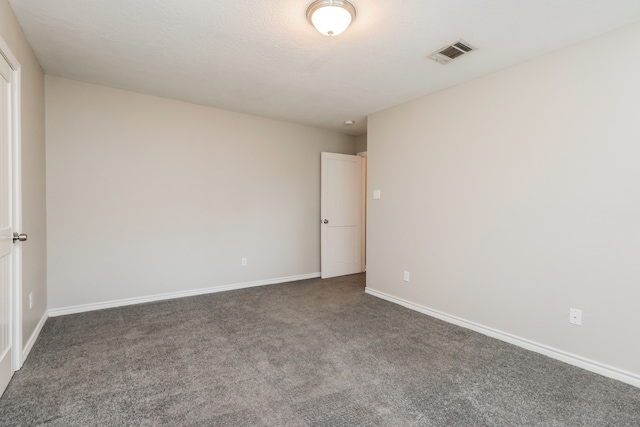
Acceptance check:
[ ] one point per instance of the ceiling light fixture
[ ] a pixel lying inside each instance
(331, 17)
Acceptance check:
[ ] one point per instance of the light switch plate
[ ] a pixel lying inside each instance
(575, 316)
(376, 194)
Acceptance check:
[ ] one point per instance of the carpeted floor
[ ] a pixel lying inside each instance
(312, 353)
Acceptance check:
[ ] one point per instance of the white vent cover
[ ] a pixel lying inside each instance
(448, 53)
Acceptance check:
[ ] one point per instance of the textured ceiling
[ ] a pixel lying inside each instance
(262, 56)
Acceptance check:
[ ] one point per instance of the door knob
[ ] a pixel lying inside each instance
(325, 221)
(19, 237)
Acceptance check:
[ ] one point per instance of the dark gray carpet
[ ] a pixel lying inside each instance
(312, 353)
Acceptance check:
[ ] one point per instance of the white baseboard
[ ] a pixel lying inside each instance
(54, 312)
(32, 339)
(572, 359)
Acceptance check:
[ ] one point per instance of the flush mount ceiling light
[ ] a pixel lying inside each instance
(331, 17)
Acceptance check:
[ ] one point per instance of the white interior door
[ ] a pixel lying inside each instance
(341, 220)
(6, 241)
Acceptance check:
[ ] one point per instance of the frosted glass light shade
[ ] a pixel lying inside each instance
(331, 17)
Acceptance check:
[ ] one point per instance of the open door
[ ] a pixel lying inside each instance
(6, 232)
(341, 218)
(10, 266)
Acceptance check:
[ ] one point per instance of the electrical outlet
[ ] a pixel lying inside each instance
(406, 276)
(244, 262)
(31, 300)
(575, 316)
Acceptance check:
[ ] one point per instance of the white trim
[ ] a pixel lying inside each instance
(364, 165)
(362, 154)
(572, 359)
(54, 312)
(34, 336)
(9, 56)
(17, 218)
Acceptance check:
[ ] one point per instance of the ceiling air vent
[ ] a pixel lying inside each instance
(448, 53)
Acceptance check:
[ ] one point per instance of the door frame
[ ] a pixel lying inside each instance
(363, 212)
(16, 204)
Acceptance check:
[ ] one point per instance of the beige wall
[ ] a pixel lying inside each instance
(149, 195)
(33, 171)
(516, 196)
(361, 143)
